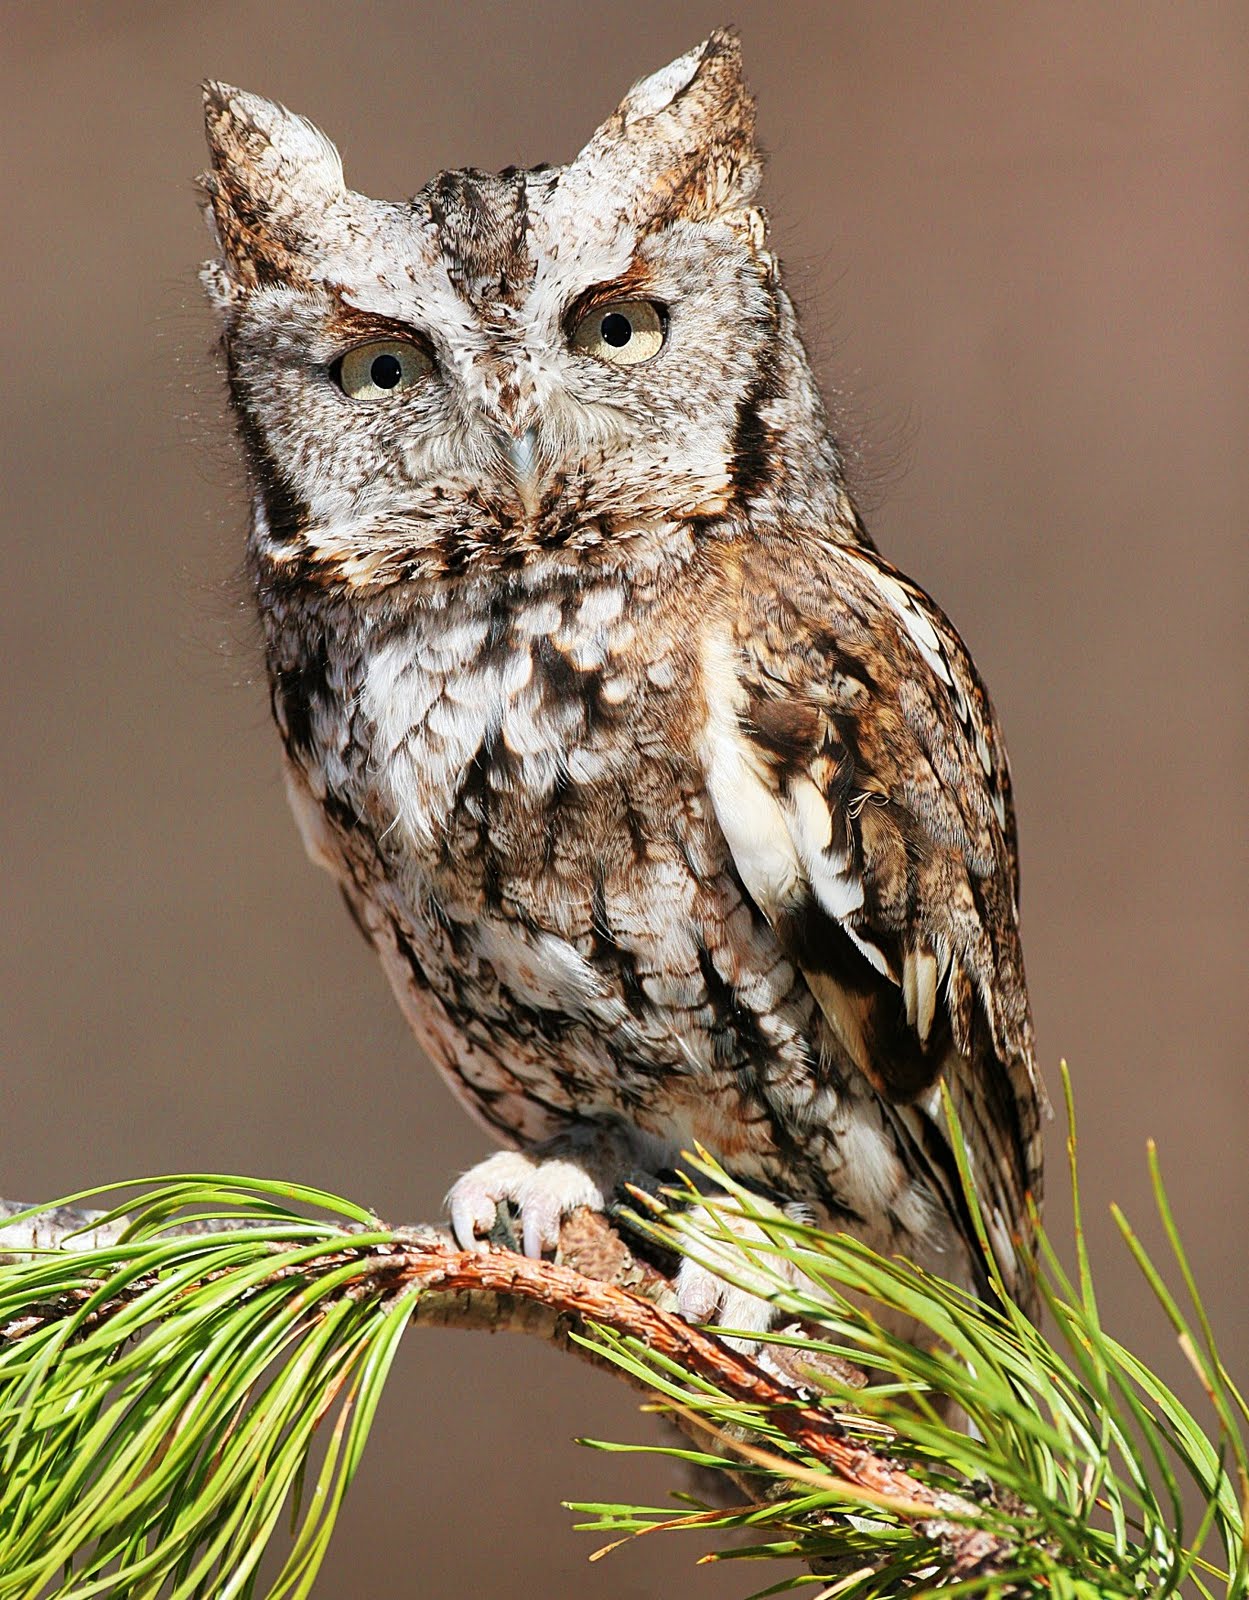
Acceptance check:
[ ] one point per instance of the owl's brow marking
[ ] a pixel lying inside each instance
(632, 284)
(361, 327)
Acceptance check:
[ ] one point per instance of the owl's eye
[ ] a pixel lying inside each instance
(378, 370)
(624, 334)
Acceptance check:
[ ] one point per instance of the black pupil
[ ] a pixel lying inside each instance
(385, 371)
(616, 329)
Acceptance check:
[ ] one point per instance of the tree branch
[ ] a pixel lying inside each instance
(596, 1279)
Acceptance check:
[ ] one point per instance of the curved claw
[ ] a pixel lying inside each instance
(542, 1191)
(472, 1216)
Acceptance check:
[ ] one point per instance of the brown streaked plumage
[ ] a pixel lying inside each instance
(674, 812)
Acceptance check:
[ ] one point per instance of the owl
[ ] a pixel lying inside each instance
(674, 812)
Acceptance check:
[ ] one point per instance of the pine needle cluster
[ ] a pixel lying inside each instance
(1079, 1462)
(196, 1388)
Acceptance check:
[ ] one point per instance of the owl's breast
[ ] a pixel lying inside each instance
(531, 843)
(532, 771)
(497, 713)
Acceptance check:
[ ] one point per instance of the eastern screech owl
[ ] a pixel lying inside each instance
(673, 811)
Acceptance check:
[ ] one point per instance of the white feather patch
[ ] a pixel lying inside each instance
(540, 969)
(836, 886)
(749, 815)
(918, 627)
(920, 975)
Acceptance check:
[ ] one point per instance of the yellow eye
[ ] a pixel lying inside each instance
(624, 334)
(383, 368)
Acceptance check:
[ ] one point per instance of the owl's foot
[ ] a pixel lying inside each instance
(704, 1293)
(541, 1188)
(703, 1296)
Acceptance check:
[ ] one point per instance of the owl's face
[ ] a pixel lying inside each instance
(558, 360)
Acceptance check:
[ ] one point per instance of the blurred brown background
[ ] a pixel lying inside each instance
(1019, 232)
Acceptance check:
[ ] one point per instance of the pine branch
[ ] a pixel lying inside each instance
(179, 1371)
(596, 1285)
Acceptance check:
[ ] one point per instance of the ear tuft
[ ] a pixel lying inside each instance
(682, 141)
(713, 70)
(655, 93)
(273, 176)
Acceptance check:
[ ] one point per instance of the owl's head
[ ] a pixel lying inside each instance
(561, 365)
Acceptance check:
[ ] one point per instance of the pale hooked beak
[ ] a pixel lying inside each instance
(520, 450)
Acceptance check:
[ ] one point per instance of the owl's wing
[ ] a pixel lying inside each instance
(858, 773)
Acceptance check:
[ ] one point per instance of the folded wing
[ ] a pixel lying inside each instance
(858, 774)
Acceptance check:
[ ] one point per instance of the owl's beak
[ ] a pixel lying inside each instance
(520, 450)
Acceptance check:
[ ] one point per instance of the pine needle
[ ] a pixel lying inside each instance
(174, 1404)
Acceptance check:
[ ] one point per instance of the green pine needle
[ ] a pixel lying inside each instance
(1079, 1457)
(162, 1399)
(174, 1405)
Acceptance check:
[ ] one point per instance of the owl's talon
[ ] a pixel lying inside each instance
(473, 1200)
(468, 1224)
(705, 1297)
(540, 1191)
(539, 1228)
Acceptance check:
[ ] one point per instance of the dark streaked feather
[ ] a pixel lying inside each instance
(860, 715)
